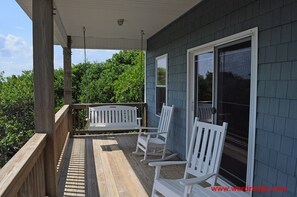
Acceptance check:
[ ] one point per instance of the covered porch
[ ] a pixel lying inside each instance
(103, 165)
(57, 161)
(86, 163)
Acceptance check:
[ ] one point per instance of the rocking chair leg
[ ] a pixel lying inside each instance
(154, 192)
(145, 155)
(163, 154)
(136, 148)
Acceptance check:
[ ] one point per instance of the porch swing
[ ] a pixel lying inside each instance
(110, 117)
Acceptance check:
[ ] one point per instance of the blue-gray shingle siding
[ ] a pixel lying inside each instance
(276, 122)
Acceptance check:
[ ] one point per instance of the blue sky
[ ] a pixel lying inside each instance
(16, 43)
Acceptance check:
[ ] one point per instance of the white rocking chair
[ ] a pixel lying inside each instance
(203, 163)
(155, 140)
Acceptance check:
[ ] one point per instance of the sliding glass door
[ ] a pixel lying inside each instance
(222, 94)
(233, 106)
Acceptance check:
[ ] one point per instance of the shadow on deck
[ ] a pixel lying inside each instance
(103, 165)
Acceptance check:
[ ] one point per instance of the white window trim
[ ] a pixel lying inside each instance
(253, 33)
(145, 77)
(165, 86)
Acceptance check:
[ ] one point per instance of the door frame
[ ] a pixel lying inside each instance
(253, 34)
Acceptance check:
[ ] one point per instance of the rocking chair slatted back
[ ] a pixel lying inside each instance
(206, 148)
(165, 119)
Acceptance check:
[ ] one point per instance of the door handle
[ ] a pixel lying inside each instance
(213, 110)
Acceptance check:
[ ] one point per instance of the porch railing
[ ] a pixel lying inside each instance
(24, 174)
(63, 124)
(81, 111)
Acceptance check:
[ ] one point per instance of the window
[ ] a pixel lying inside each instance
(161, 82)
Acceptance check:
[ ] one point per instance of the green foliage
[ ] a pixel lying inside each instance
(129, 86)
(78, 73)
(88, 87)
(119, 79)
(1, 77)
(59, 88)
(16, 114)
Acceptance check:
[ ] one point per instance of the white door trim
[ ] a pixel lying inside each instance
(253, 33)
(145, 77)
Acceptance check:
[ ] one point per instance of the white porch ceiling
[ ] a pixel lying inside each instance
(100, 19)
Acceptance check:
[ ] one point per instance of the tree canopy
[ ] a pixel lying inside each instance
(119, 79)
(16, 113)
(115, 80)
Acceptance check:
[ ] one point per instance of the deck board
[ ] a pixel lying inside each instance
(103, 165)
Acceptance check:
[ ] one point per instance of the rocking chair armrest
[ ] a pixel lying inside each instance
(167, 163)
(152, 133)
(192, 181)
(146, 128)
(149, 128)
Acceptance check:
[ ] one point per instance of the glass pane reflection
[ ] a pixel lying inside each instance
(204, 79)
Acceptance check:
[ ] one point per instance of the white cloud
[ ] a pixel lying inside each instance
(15, 55)
(12, 45)
(2, 42)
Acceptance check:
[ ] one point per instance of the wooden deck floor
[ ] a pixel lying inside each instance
(104, 165)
